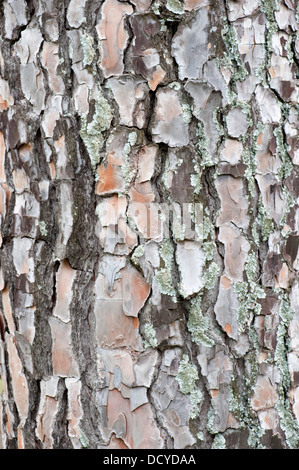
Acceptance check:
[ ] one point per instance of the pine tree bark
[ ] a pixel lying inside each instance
(149, 224)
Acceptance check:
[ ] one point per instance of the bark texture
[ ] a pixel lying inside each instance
(149, 188)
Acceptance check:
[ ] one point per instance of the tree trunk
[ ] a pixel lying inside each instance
(149, 224)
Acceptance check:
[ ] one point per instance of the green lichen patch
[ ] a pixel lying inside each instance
(43, 228)
(92, 132)
(248, 293)
(269, 7)
(150, 335)
(128, 169)
(211, 275)
(198, 324)
(164, 274)
(175, 6)
(195, 399)
(87, 44)
(264, 220)
(84, 439)
(138, 253)
(187, 375)
(219, 442)
(187, 113)
(286, 167)
(288, 424)
(286, 314)
(232, 59)
(289, 203)
(202, 142)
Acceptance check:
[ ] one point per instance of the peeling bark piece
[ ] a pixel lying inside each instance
(19, 382)
(231, 151)
(51, 29)
(206, 100)
(114, 328)
(21, 180)
(267, 160)
(146, 163)
(113, 36)
(200, 92)
(146, 49)
(272, 197)
(226, 308)
(271, 268)
(236, 122)
(25, 312)
(110, 171)
(64, 281)
(48, 409)
(75, 411)
(144, 213)
(190, 258)
(24, 263)
(63, 169)
(26, 214)
(64, 362)
(123, 361)
(234, 205)
(190, 45)
(115, 235)
(236, 251)
(51, 116)
(131, 95)
(33, 86)
(134, 289)
(285, 17)
(142, 5)
(6, 99)
(213, 75)
(291, 130)
(190, 5)
(81, 99)
(265, 395)
(178, 175)
(66, 222)
(168, 123)
(110, 267)
(15, 16)
(145, 368)
(141, 431)
(119, 299)
(75, 13)
(215, 377)
(241, 8)
(221, 412)
(138, 397)
(268, 105)
(6, 305)
(28, 46)
(50, 60)
(119, 165)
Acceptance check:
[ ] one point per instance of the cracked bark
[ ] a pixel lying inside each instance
(149, 224)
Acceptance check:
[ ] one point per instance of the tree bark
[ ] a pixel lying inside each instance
(149, 224)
